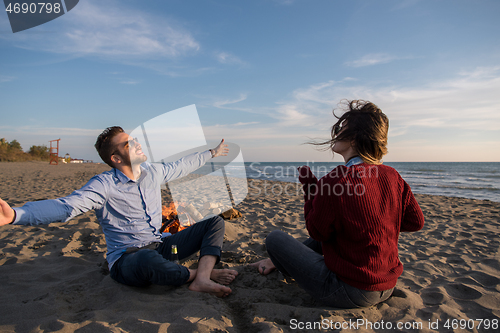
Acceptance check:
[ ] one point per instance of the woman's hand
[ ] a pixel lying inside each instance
(309, 182)
(7, 214)
(306, 177)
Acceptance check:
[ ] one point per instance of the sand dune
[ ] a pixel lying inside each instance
(54, 278)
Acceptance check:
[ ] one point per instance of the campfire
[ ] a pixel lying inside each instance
(177, 216)
(174, 221)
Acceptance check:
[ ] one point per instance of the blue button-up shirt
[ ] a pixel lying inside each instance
(354, 161)
(129, 211)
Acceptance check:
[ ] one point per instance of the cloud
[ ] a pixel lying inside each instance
(33, 130)
(470, 100)
(310, 106)
(371, 59)
(222, 104)
(228, 58)
(112, 31)
(250, 133)
(227, 104)
(403, 4)
(130, 81)
(245, 124)
(240, 124)
(285, 2)
(169, 68)
(290, 115)
(108, 29)
(4, 78)
(461, 111)
(467, 102)
(443, 110)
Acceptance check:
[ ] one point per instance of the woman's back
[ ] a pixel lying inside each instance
(357, 214)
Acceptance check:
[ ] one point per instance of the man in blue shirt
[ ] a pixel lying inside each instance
(127, 203)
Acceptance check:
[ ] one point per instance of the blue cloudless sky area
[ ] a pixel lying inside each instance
(265, 75)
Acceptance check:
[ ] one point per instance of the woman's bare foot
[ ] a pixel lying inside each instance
(223, 276)
(210, 287)
(264, 267)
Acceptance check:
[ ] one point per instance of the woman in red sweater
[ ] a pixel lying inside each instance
(353, 215)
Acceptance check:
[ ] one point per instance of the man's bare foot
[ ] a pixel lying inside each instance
(223, 276)
(264, 267)
(210, 287)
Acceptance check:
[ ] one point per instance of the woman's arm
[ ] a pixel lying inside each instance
(309, 182)
(319, 213)
(413, 218)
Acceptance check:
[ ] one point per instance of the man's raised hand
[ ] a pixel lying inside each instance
(6, 213)
(221, 149)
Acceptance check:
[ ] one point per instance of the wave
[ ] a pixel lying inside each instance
(424, 170)
(494, 177)
(457, 187)
(470, 180)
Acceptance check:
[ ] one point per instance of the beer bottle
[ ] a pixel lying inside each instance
(173, 255)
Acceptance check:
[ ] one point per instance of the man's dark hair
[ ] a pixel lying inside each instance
(103, 143)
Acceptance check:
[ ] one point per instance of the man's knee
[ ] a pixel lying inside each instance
(134, 269)
(219, 221)
(216, 223)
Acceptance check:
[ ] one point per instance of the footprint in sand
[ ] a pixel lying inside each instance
(462, 292)
(434, 296)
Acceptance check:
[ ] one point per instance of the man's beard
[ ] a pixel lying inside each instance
(136, 161)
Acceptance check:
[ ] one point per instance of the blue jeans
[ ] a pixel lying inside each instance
(306, 264)
(151, 265)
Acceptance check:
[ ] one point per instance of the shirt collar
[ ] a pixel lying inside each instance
(354, 161)
(124, 179)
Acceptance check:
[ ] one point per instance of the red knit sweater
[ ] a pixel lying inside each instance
(357, 214)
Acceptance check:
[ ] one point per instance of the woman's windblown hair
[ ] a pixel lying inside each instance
(367, 128)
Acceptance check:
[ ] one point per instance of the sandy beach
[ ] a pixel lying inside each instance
(54, 278)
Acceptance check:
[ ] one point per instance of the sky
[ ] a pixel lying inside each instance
(263, 74)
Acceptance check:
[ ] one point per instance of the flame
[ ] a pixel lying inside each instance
(169, 212)
(170, 218)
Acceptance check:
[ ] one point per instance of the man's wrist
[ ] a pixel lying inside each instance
(15, 216)
(212, 152)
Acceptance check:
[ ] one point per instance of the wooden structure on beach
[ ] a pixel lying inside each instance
(54, 152)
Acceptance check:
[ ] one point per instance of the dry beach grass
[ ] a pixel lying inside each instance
(54, 278)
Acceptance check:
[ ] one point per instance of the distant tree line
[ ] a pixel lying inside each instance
(13, 152)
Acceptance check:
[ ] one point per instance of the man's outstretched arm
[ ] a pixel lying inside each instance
(192, 162)
(90, 196)
(7, 214)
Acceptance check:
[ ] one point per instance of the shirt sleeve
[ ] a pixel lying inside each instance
(90, 196)
(413, 218)
(185, 165)
(318, 215)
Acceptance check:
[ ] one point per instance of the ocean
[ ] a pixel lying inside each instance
(474, 180)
